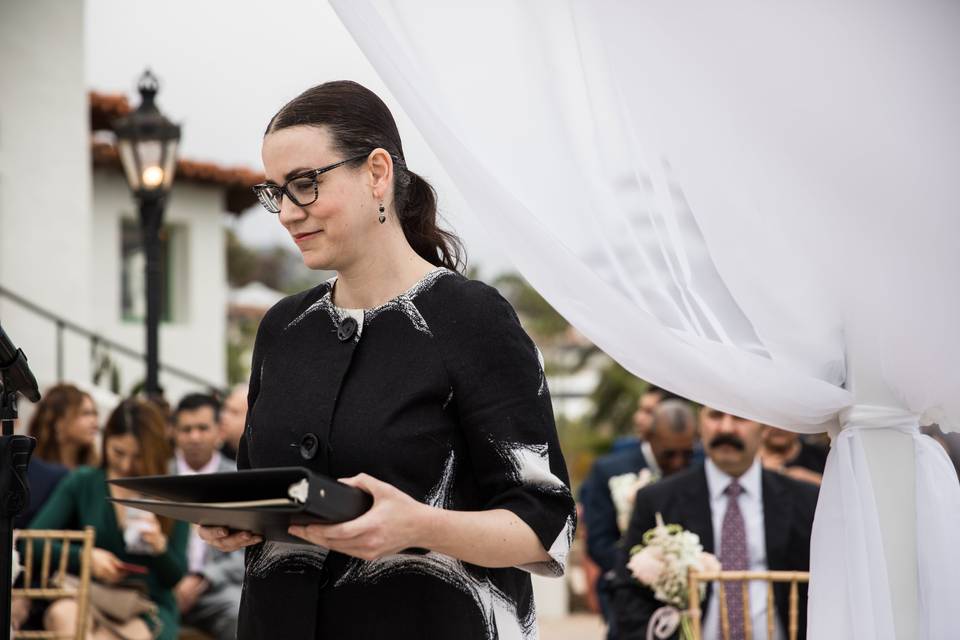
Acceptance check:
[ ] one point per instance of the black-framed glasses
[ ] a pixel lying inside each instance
(302, 188)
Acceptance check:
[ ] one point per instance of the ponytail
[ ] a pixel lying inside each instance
(417, 208)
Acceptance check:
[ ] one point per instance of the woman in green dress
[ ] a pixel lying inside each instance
(133, 445)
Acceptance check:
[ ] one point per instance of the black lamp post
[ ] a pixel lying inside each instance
(147, 142)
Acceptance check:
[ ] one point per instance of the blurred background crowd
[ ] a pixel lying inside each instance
(197, 589)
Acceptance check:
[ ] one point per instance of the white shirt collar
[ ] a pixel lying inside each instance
(717, 480)
(650, 458)
(185, 469)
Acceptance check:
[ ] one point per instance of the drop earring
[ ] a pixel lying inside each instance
(382, 217)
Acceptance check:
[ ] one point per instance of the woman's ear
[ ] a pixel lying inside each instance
(381, 171)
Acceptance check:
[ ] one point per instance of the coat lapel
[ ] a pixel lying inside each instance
(696, 508)
(698, 517)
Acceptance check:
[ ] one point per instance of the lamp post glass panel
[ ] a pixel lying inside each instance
(147, 144)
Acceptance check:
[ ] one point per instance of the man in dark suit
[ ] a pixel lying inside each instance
(668, 447)
(750, 518)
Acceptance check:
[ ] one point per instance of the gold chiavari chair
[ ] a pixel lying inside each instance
(794, 578)
(52, 586)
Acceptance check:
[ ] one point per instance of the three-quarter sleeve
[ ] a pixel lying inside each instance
(506, 417)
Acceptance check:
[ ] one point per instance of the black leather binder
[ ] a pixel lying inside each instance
(264, 501)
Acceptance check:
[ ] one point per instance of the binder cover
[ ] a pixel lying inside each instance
(264, 501)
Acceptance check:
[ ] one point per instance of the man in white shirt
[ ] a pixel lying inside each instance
(209, 595)
(750, 518)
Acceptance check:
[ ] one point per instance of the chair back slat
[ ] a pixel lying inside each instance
(83, 590)
(55, 589)
(45, 567)
(724, 615)
(721, 578)
(770, 606)
(695, 613)
(64, 557)
(28, 560)
(794, 610)
(747, 619)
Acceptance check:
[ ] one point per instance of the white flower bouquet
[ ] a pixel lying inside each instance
(623, 489)
(662, 563)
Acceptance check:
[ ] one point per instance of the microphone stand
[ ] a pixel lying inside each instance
(15, 453)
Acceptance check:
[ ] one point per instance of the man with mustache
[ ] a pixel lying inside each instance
(750, 518)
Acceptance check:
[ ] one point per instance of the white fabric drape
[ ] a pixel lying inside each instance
(739, 201)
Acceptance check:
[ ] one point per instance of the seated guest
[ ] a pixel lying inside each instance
(750, 518)
(65, 424)
(233, 419)
(786, 452)
(667, 448)
(209, 595)
(133, 445)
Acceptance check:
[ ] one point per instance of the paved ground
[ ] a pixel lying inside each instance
(578, 626)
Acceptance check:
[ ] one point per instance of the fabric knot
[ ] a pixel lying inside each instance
(733, 490)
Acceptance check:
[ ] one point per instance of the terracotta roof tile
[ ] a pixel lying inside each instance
(105, 108)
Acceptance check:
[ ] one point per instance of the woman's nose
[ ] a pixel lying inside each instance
(290, 212)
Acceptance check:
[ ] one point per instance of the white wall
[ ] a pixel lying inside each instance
(196, 339)
(45, 211)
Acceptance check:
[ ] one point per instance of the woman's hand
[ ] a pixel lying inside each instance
(153, 536)
(221, 538)
(106, 567)
(395, 522)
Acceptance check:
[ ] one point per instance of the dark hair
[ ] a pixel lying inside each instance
(359, 122)
(144, 421)
(663, 393)
(194, 401)
(60, 402)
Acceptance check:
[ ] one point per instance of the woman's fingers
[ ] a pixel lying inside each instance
(221, 538)
(365, 482)
(212, 534)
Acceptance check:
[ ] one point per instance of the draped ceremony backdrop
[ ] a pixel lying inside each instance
(751, 203)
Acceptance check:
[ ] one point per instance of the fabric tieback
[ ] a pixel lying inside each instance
(733, 556)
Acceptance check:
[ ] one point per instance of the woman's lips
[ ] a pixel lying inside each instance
(300, 237)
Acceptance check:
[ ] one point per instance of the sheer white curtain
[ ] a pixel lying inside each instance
(753, 204)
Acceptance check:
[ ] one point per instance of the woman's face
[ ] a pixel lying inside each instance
(339, 229)
(81, 428)
(123, 456)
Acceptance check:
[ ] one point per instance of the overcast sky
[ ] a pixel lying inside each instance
(226, 67)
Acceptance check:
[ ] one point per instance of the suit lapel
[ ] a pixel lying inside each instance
(776, 513)
(698, 517)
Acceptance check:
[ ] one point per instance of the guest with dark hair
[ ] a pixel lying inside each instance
(233, 418)
(65, 424)
(133, 445)
(209, 595)
(668, 447)
(786, 452)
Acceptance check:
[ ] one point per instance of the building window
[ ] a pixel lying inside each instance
(133, 283)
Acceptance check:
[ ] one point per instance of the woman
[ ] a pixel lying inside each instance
(134, 444)
(406, 380)
(65, 425)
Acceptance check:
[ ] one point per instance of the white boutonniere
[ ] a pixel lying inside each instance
(623, 489)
